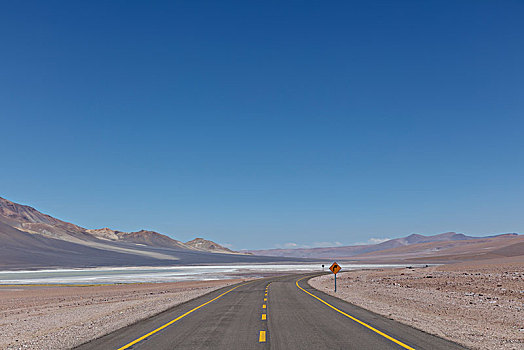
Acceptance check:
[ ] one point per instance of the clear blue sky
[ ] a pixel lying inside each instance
(261, 124)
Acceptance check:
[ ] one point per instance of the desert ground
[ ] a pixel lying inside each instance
(478, 304)
(51, 317)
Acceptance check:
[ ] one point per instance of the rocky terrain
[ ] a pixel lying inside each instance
(478, 304)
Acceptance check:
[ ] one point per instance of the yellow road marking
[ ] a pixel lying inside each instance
(355, 319)
(265, 299)
(264, 316)
(264, 306)
(178, 318)
(262, 337)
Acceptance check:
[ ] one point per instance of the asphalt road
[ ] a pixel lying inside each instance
(296, 317)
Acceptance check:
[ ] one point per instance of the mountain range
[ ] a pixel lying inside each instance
(30, 239)
(509, 245)
(353, 250)
(444, 247)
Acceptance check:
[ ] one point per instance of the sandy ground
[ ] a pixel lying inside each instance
(479, 305)
(48, 317)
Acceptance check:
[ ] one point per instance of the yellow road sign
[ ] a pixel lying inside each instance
(335, 268)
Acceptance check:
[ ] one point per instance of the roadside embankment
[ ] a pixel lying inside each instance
(477, 304)
(47, 317)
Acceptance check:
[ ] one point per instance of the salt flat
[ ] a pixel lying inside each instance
(158, 274)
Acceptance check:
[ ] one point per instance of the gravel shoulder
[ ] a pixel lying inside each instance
(477, 304)
(47, 317)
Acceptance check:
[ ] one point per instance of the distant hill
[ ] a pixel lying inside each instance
(31, 239)
(208, 246)
(149, 238)
(315, 253)
(480, 248)
(373, 251)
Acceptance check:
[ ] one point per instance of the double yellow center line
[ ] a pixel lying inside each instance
(262, 335)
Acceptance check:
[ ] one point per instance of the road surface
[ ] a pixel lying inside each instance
(271, 313)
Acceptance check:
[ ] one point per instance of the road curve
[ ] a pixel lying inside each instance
(271, 313)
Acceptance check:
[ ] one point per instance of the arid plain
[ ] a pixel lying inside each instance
(479, 304)
(50, 317)
(470, 292)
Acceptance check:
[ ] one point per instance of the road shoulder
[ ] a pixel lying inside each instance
(460, 302)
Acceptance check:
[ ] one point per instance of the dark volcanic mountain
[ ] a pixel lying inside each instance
(31, 239)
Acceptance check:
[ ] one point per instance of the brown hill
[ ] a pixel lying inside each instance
(28, 219)
(145, 237)
(208, 246)
(501, 246)
(150, 238)
(349, 251)
(31, 239)
(105, 233)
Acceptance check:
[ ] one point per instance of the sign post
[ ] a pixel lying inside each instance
(335, 268)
